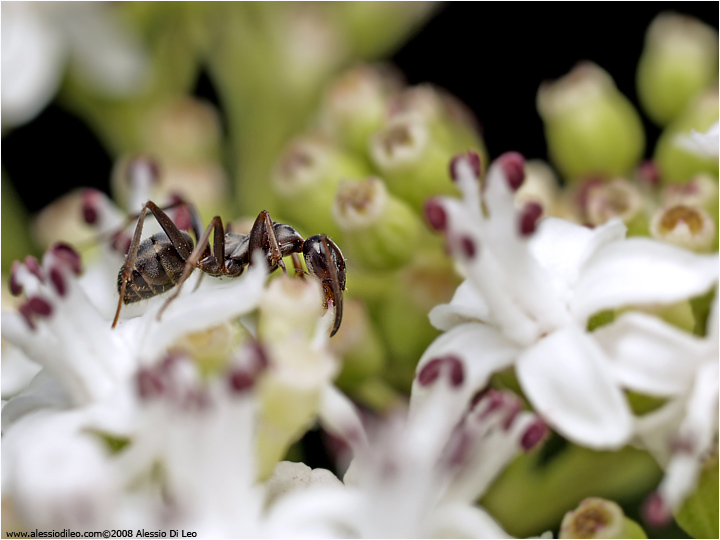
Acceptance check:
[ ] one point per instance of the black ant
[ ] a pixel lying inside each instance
(166, 259)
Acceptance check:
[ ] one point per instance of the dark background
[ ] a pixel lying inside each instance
(491, 56)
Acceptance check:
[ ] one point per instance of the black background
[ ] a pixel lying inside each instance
(491, 56)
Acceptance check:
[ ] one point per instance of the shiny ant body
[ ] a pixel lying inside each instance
(166, 259)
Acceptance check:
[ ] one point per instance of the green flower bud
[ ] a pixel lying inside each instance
(676, 163)
(306, 178)
(685, 226)
(617, 198)
(426, 129)
(599, 518)
(355, 104)
(680, 60)
(379, 231)
(590, 127)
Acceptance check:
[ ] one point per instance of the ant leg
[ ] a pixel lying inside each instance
(191, 262)
(299, 272)
(130, 261)
(262, 235)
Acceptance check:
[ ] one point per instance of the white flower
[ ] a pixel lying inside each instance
(415, 477)
(654, 358)
(38, 36)
(529, 295)
(703, 144)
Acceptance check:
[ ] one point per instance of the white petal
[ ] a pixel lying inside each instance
(210, 305)
(703, 144)
(650, 356)
(461, 520)
(17, 371)
(568, 380)
(32, 62)
(563, 247)
(467, 305)
(641, 271)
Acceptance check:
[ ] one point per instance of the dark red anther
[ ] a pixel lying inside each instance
(469, 157)
(58, 281)
(40, 306)
(32, 265)
(181, 214)
(495, 399)
(513, 409)
(457, 370)
(534, 434)
(68, 255)
(430, 372)
(655, 512)
(149, 383)
(435, 214)
(467, 246)
(529, 218)
(513, 165)
(15, 287)
(90, 208)
(240, 380)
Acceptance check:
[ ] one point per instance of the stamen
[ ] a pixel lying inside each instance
(529, 218)
(457, 370)
(534, 434)
(240, 380)
(68, 255)
(58, 281)
(435, 215)
(655, 511)
(40, 306)
(471, 158)
(513, 165)
(27, 313)
(467, 246)
(89, 206)
(429, 372)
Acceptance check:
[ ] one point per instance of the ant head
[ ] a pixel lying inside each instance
(325, 261)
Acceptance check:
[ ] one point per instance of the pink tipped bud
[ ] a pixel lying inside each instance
(534, 434)
(435, 214)
(15, 287)
(513, 165)
(655, 512)
(32, 265)
(58, 281)
(68, 256)
(471, 158)
(39, 306)
(91, 206)
(529, 218)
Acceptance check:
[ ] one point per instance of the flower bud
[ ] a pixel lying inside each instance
(354, 105)
(599, 518)
(379, 231)
(679, 60)
(676, 162)
(306, 178)
(590, 127)
(426, 129)
(685, 226)
(702, 191)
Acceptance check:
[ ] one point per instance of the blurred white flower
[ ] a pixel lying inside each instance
(529, 295)
(703, 144)
(38, 38)
(415, 477)
(654, 358)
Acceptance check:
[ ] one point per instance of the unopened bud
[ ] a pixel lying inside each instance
(679, 60)
(379, 231)
(590, 127)
(306, 178)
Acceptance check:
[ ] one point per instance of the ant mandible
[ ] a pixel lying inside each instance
(166, 259)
